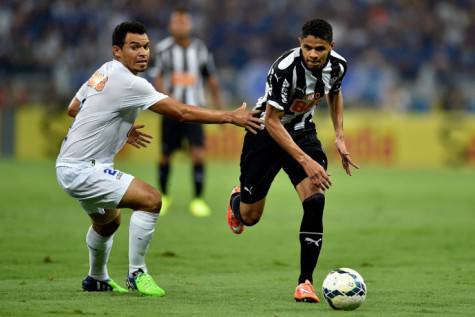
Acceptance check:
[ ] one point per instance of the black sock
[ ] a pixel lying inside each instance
(198, 176)
(311, 235)
(164, 170)
(235, 202)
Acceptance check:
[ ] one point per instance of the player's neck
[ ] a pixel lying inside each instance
(130, 70)
(183, 42)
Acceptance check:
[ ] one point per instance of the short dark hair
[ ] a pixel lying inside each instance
(121, 30)
(318, 28)
(181, 10)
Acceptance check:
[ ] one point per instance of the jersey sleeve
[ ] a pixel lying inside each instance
(82, 93)
(278, 86)
(142, 95)
(208, 67)
(336, 86)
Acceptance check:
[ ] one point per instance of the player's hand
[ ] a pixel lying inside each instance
(137, 138)
(346, 160)
(247, 119)
(317, 174)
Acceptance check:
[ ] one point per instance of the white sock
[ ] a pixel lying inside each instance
(142, 226)
(99, 250)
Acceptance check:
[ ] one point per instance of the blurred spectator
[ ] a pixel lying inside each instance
(414, 52)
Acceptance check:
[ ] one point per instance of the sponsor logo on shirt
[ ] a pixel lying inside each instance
(97, 81)
(183, 79)
(303, 105)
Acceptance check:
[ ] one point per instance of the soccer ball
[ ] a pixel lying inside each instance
(344, 289)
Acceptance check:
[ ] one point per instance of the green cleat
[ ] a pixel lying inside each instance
(144, 284)
(90, 284)
(199, 208)
(166, 202)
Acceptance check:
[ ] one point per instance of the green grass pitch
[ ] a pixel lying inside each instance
(409, 233)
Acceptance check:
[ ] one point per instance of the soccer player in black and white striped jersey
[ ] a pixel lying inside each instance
(183, 66)
(296, 83)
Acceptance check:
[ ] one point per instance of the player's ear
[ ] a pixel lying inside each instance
(332, 44)
(116, 51)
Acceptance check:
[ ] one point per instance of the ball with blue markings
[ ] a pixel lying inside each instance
(344, 289)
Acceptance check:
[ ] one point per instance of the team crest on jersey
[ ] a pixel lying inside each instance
(97, 81)
(303, 105)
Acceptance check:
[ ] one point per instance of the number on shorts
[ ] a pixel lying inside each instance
(110, 171)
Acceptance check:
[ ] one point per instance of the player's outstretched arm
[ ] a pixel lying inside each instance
(335, 101)
(174, 109)
(314, 171)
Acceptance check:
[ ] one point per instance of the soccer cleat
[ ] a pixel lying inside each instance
(144, 284)
(304, 292)
(199, 208)
(90, 284)
(166, 202)
(235, 224)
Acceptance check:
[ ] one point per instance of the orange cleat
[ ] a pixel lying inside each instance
(235, 224)
(304, 292)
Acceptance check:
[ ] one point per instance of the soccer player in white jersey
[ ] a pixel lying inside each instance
(105, 109)
(296, 83)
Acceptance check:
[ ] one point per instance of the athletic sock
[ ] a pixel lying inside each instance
(142, 226)
(311, 235)
(198, 177)
(164, 170)
(99, 250)
(235, 202)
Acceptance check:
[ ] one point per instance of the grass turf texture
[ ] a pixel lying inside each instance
(409, 233)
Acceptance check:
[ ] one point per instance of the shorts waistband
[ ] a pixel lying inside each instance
(88, 163)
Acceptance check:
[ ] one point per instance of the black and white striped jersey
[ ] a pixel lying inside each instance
(184, 69)
(294, 89)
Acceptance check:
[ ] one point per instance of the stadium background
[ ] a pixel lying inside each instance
(411, 76)
(405, 220)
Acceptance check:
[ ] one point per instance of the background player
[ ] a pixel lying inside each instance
(105, 109)
(296, 82)
(183, 65)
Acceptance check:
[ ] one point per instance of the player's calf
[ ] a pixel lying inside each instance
(251, 213)
(311, 235)
(109, 228)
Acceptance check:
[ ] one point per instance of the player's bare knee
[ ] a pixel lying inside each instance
(153, 202)
(306, 189)
(251, 213)
(250, 219)
(114, 224)
(107, 229)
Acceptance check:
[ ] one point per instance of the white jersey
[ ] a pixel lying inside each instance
(110, 102)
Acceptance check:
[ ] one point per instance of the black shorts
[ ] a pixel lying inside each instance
(262, 158)
(174, 132)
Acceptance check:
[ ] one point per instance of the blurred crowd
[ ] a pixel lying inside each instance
(403, 55)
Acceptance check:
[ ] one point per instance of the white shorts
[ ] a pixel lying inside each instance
(96, 187)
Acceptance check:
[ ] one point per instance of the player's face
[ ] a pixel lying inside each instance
(135, 53)
(315, 51)
(180, 25)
